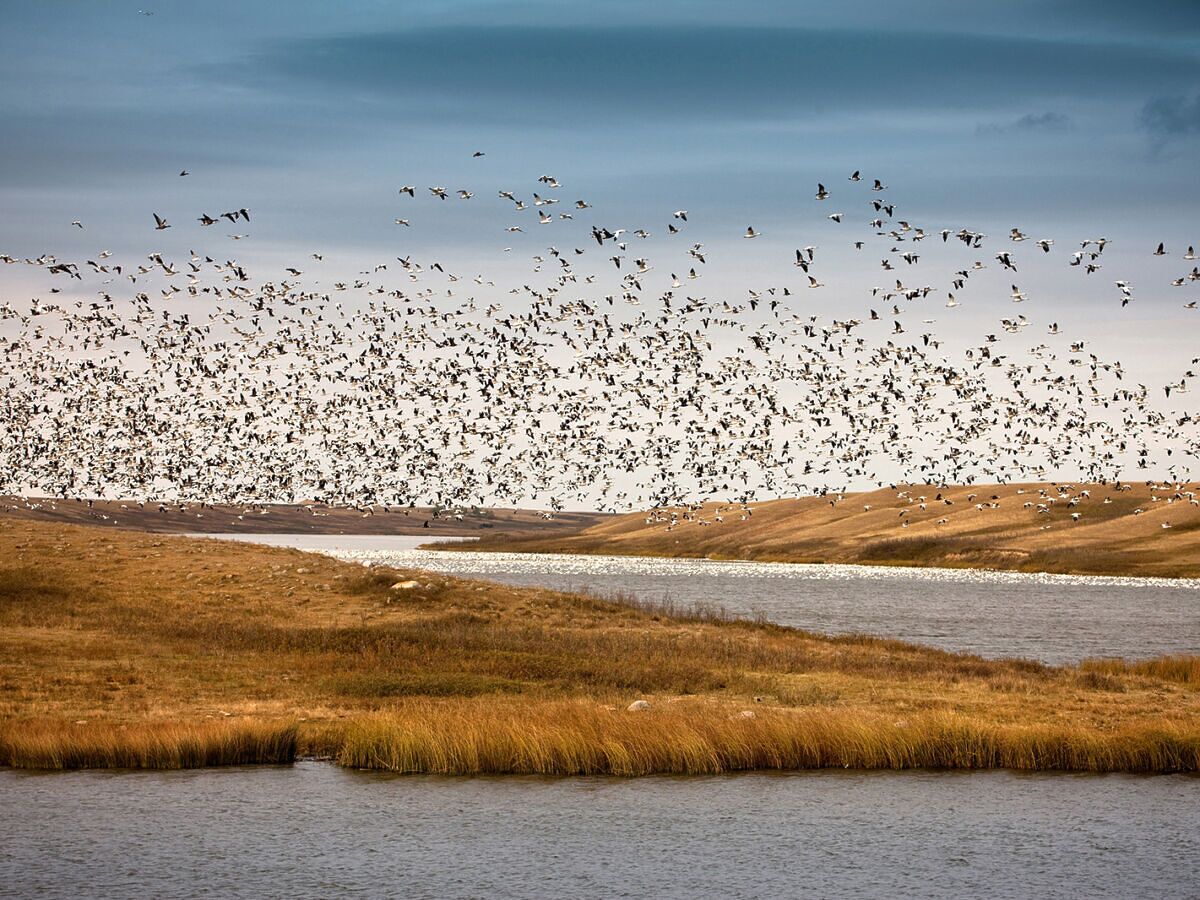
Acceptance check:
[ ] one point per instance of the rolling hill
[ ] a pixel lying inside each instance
(1139, 529)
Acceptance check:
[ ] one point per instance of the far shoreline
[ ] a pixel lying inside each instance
(1114, 530)
(896, 566)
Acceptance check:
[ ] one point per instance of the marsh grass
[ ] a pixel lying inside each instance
(580, 739)
(669, 608)
(151, 745)
(1179, 668)
(381, 686)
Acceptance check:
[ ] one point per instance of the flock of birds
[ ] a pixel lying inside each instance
(607, 377)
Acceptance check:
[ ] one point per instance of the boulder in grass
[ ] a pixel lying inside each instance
(638, 706)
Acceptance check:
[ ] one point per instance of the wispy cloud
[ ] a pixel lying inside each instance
(1049, 121)
(1169, 118)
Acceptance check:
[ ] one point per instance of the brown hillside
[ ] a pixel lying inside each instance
(279, 518)
(1117, 532)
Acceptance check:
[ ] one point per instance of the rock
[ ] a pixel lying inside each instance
(303, 571)
(638, 706)
(406, 585)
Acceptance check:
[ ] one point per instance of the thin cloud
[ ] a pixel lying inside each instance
(1030, 122)
(1169, 118)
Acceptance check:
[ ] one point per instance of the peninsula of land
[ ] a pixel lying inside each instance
(1135, 529)
(127, 649)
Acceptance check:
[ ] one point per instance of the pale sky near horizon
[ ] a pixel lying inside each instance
(1071, 120)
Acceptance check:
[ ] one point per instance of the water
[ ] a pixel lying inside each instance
(314, 830)
(1053, 618)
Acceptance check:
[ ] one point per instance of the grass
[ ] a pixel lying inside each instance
(1118, 532)
(578, 739)
(153, 745)
(176, 652)
(1180, 669)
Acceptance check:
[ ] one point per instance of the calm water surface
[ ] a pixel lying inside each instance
(314, 830)
(1054, 618)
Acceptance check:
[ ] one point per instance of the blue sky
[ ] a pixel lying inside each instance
(1070, 120)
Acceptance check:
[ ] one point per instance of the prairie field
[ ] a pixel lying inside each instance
(124, 649)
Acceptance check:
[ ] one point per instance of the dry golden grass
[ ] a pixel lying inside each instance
(695, 739)
(119, 648)
(1119, 532)
(154, 745)
(1181, 668)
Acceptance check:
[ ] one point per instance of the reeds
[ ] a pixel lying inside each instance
(149, 745)
(1181, 668)
(583, 738)
(705, 739)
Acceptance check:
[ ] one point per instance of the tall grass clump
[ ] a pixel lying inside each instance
(152, 745)
(569, 738)
(1180, 668)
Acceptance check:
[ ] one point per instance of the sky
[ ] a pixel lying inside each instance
(1061, 116)
(1055, 114)
(1070, 120)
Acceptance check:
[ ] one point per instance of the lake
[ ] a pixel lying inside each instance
(1052, 618)
(315, 830)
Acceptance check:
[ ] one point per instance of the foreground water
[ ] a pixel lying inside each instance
(314, 830)
(1053, 618)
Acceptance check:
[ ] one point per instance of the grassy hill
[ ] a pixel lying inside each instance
(1079, 529)
(126, 649)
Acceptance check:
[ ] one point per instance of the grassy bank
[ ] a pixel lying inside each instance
(695, 739)
(1140, 530)
(145, 745)
(120, 649)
